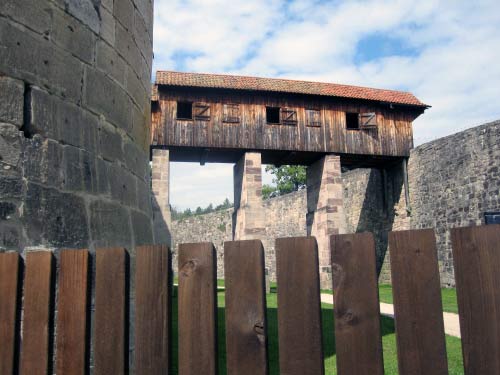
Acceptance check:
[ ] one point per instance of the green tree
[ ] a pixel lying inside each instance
(267, 191)
(287, 178)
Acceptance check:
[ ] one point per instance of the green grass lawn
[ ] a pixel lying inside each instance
(448, 296)
(388, 339)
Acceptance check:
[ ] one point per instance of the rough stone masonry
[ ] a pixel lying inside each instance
(74, 123)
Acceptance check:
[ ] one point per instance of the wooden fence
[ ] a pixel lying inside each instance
(37, 324)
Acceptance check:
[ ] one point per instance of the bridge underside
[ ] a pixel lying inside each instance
(276, 157)
(325, 212)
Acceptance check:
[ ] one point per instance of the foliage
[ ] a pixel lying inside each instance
(287, 178)
(180, 215)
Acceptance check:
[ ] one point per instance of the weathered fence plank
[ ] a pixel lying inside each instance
(153, 310)
(356, 305)
(476, 256)
(71, 340)
(417, 303)
(110, 349)
(299, 307)
(38, 299)
(197, 309)
(246, 326)
(9, 278)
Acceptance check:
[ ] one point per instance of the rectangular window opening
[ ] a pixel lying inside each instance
(185, 110)
(352, 120)
(289, 116)
(202, 111)
(231, 113)
(273, 115)
(313, 117)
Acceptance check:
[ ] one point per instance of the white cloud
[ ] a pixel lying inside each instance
(454, 65)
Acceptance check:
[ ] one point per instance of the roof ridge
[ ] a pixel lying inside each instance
(233, 81)
(283, 79)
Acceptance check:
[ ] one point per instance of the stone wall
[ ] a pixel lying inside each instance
(453, 181)
(74, 123)
(285, 216)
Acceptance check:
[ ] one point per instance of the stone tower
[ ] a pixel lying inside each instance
(75, 123)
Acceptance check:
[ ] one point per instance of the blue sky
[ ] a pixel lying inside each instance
(445, 52)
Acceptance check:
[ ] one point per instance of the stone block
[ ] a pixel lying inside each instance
(141, 131)
(11, 101)
(51, 217)
(141, 226)
(110, 143)
(35, 15)
(86, 11)
(128, 49)
(65, 74)
(102, 168)
(43, 162)
(108, 25)
(7, 210)
(34, 59)
(110, 62)
(10, 236)
(108, 4)
(106, 97)
(11, 143)
(89, 172)
(10, 187)
(73, 36)
(65, 122)
(145, 7)
(123, 10)
(142, 36)
(73, 169)
(136, 89)
(122, 185)
(144, 197)
(110, 224)
(136, 160)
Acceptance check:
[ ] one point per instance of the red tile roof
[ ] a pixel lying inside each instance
(285, 85)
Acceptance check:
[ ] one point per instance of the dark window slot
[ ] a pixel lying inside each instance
(273, 115)
(184, 110)
(352, 121)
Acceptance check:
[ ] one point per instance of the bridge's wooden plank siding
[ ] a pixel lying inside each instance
(393, 136)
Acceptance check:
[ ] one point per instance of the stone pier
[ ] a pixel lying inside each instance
(325, 211)
(248, 216)
(162, 219)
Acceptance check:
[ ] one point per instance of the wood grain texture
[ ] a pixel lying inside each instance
(476, 256)
(299, 307)
(197, 309)
(9, 278)
(153, 311)
(71, 338)
(392, 136)
(246, 325)
(110, 349)
(417, 303)
(38, 299)
(357, 310)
